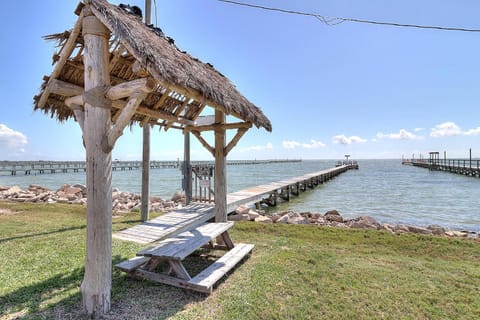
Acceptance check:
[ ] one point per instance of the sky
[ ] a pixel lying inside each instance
(367, 90)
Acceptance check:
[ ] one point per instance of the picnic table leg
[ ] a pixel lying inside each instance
(152, 264)
(179, 269)
(227, 240)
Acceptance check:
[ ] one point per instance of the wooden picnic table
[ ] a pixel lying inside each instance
(175, 249)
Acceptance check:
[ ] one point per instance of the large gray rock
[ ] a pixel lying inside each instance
(283, 219)
(252, 215)
(333, 215)
(263, 219)
(12, 190)
(238, 217)
(364, 222)
(178, 196)
(420, 230)
(401, 228)
(243, 209)
(298, 220)
(81, 186)
(454, 233)
(275, 217)
(388, 227)
(436, 229)
(72, 191)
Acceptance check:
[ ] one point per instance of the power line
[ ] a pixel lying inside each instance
(331, 21)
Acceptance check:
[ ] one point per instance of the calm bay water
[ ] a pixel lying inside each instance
(383, 189)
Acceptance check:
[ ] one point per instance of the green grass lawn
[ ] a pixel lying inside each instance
(295, 272)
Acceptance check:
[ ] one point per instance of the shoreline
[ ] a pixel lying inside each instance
(333, 218)
(128, 202)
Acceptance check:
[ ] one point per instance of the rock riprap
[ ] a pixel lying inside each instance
(77, 194)
(333, 218)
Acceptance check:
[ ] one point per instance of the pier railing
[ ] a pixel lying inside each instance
(468, 167)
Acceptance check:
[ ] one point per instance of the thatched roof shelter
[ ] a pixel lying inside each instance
(184, 86)
(111, 71)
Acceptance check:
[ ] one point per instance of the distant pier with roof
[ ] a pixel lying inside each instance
(467, 167)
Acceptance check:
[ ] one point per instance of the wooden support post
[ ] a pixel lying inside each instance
(145, 205)
(97, 281)
(220, 169)
(470, 158)
(187, 169)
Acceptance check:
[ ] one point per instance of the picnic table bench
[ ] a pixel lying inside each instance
(175, 249)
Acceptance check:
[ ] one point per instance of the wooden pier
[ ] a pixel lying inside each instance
(467, 167)
(195, 214)
(51, 167)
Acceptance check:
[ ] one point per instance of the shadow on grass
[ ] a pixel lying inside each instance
(34, 298)
(59, 298)
(42, 233)
(26, 236)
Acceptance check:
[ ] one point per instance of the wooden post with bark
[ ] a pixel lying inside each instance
(96, 285)
(100, 136)
(187, 169)
(220, 168)
(145, 206)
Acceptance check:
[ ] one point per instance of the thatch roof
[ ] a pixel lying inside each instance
(185, 84)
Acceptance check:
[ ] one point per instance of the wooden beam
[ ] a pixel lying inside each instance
(142, 110)
(126, 89)
(207, 146)
(79, 113)
(63, 88)
(119, 91)
(139, 70)
(224, 126)
(157, 105)
(156, 114)
(234, 141)
(125, 117)
(177, 113)
(116, 55)
(66, 52)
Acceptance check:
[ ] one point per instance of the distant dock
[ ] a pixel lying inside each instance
(50, 167)
(467, 167)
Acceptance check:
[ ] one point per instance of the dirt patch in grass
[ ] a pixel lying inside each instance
(7, 212)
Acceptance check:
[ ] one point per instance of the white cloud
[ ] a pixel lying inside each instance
(11, 139)
(472, 132)
(446, 129)
(418, 129)
(267, 146)
(401, 135)
(290, 144)
(342, 139)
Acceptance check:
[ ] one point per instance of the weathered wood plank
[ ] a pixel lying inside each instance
(132, 264)
(168, 224)
(183, 244)
(205, 280)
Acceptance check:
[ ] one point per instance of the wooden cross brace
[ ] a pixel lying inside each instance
(242, 128)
